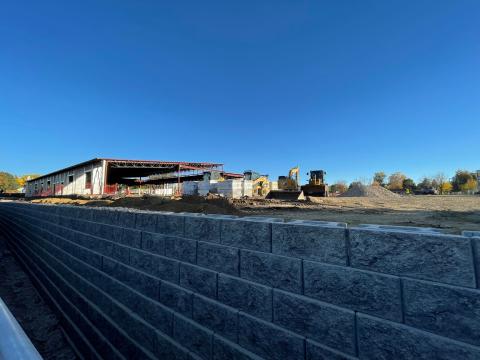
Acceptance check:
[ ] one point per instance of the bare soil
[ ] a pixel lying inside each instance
(453, 213)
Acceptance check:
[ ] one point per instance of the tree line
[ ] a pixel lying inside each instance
(12, 183)
(463, 181)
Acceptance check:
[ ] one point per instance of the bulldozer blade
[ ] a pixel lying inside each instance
(285, 195)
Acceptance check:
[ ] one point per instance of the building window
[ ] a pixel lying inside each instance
(70, 179)
(48, 184)
(88, 180)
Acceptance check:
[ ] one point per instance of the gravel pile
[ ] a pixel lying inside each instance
(374, 191)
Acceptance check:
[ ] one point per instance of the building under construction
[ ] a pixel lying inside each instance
(116, 176)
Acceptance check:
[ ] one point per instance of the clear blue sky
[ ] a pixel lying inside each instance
(348, 86)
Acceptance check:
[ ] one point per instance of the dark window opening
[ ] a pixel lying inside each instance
(70, 179)
(88, 180)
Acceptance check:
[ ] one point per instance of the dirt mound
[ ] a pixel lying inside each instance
(374, 191)
(193, 204)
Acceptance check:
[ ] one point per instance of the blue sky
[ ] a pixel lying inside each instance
(351, 87)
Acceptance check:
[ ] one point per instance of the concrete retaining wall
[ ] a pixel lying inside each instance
(176, 286)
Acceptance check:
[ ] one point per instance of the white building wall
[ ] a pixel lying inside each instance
(63, 186)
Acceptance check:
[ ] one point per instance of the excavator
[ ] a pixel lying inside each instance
(316, 184)
(288, 187)
(260, 183)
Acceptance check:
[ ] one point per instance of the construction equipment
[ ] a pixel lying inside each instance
(291, 182)
(260, 183)
(288, 188)
(213, 175)
(316, 184)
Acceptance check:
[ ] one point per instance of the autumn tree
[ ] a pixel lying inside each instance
(340, 187)
(379, 178)
(8, 182)
(445, 188)
(395, 181)
(440, 182)
(464, 181)
(470, 185)
(21, 180)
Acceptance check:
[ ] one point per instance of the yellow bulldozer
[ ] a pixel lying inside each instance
(316, 184)
(288, 187)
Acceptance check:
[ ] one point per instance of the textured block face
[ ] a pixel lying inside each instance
(181, 248)
(254, 235)
(146, 222)
(103, 216)
(358, 290)
(88, 256)
(202, 228)
(271, 306)
(317, 351)
(218, 257)
(271, 270)
(246, 296)
(156, 265)
(167, 349)
(194, 337)
(152, 312)
(224, 349)
(143, 283)
(471, 233)
(267, 340)
(441, 258)
(215, 316)
(476, 258)
(84, 213)
(131, 238)
(109, 232)
(171, 225)
(198, 280)
(154, 243)
(137, 329)
(381, 339)
(329, 325)
(176, 298)
(121, 253)
(321, 243)
(125, 219)
(445, 310)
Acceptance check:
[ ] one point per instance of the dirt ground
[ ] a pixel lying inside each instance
(453, 213)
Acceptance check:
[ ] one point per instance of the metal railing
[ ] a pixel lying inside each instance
(14, 343)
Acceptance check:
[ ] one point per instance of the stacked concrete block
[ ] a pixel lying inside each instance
(235, 188)
(207, 186)
(152, 285)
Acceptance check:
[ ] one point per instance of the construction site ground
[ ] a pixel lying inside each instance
(452, 213)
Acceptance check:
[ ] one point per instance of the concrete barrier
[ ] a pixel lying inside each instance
(136, 284)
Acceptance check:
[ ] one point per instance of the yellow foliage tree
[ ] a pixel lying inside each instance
(470, 185)
(21, 180)
(445, 188)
